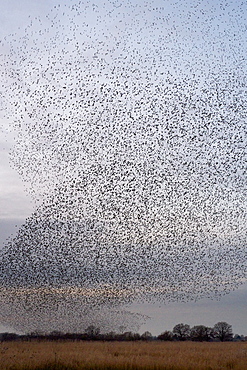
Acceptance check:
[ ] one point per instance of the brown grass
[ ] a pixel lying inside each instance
(123, 355)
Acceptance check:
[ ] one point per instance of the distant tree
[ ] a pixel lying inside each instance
(181, 331)
(110, 336)
(92, 331)
(122, 329)
(37, 333)
(237, 338)
(166, 335)
(146, 335)
(201, 333)
(8, 336)
(130, 336)
(55, 333)
(223, 331)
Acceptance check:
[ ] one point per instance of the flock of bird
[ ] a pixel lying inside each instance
(130, 124)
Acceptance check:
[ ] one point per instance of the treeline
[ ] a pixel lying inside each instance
(221, 331)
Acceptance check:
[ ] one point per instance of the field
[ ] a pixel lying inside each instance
(122, 355)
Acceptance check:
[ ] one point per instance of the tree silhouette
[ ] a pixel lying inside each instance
(92, 331)
(201, 333)
(223, 331)
(182, 331)
(146, 335)
(166, 335)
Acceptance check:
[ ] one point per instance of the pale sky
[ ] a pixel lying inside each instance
(203, 39)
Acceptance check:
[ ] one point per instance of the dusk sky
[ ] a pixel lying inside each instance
(123, 125)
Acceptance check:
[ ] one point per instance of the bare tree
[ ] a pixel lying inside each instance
(223, 331)
(182, 331)
(201, 333)
(146, 335)
(166, 335)
(92, 331)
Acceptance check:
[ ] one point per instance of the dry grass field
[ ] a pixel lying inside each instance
(122, 355)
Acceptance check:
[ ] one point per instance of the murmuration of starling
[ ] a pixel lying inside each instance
(130, 124)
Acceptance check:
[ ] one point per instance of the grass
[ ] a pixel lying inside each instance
(122, 356)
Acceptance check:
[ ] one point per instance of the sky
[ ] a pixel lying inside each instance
(181, 66)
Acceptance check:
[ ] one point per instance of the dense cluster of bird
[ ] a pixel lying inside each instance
(130, 124)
